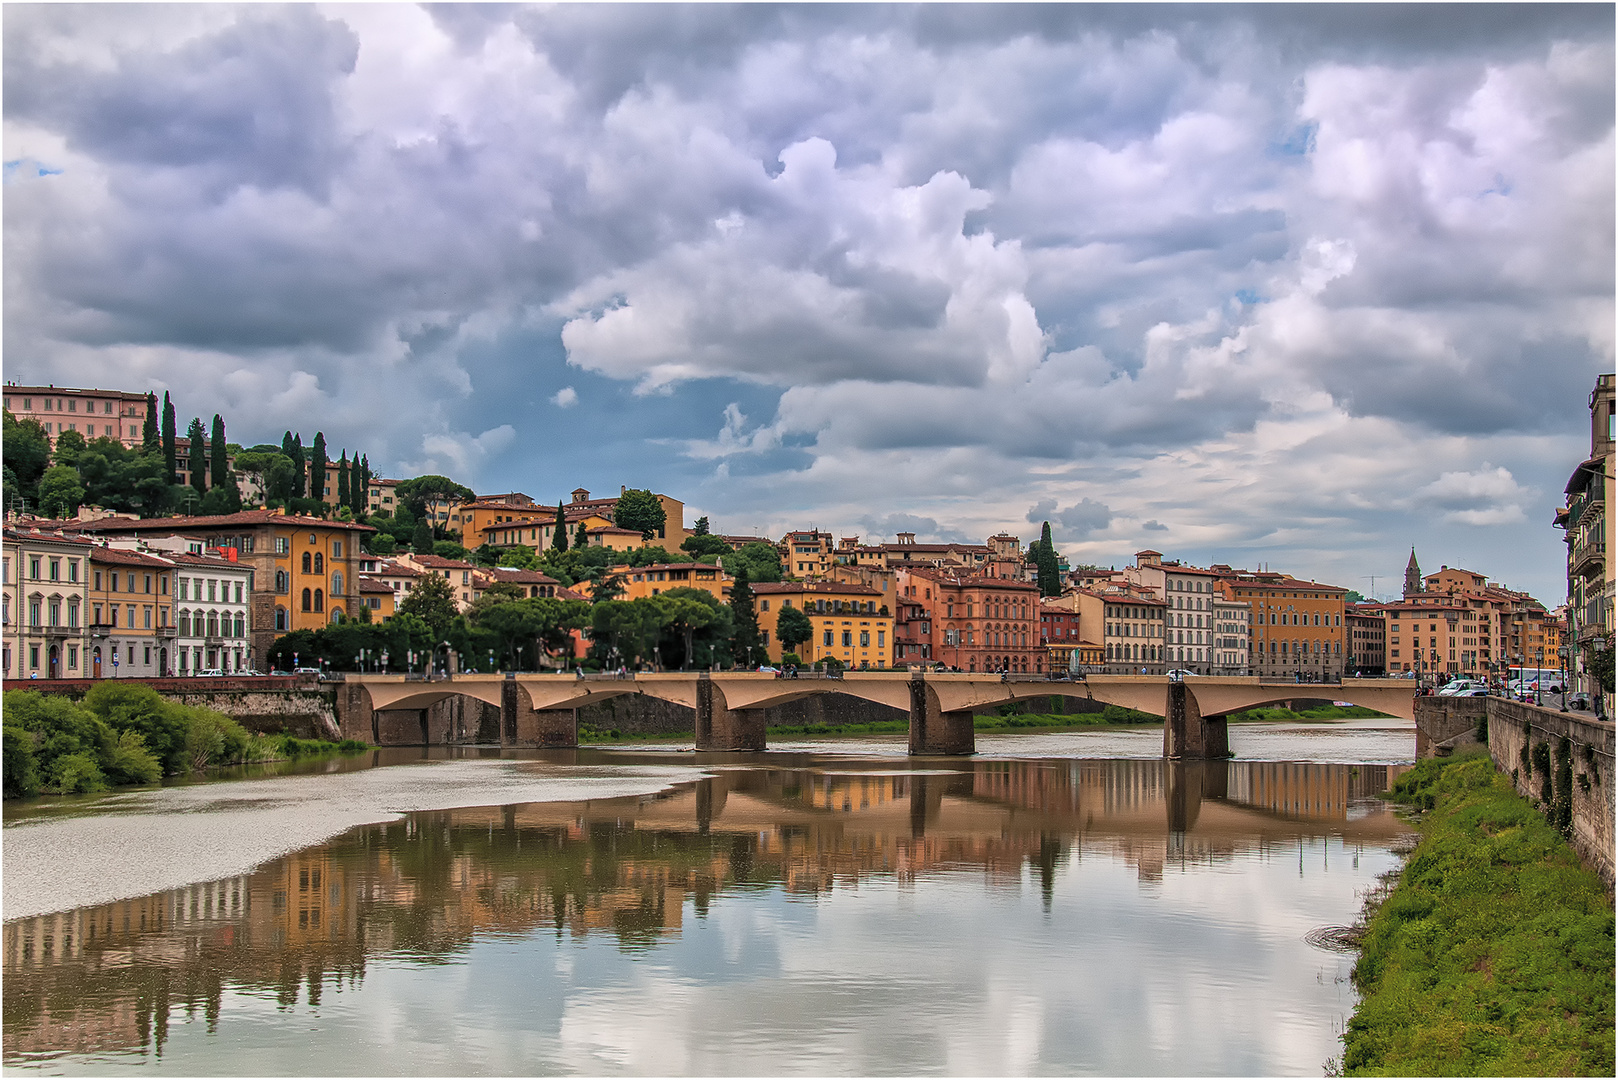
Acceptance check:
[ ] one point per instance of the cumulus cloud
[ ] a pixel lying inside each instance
(1261, 275)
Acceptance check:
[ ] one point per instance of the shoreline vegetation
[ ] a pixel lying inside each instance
(1111, 716)
(1490, 953)
(125, 734)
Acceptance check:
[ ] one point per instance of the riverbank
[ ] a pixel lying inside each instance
(1492, 955)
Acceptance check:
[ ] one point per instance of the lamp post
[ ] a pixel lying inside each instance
(1562, 657)
(1539, 666)
(445, 646)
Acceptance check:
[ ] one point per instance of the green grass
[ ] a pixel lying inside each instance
(1493, 954)
(1112, 715)
(1323, 712)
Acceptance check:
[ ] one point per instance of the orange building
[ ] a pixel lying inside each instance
(977, 622)
(851, 623)
(643, 581)
(1297, 625)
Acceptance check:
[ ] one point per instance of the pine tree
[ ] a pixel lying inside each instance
(170, 461)
(299, 472)
(422, 542)
(559, 529)
(744, 639)
(345, 497)
(701, 527)
(197, 455)
(149, 440)
(317, 467)
(218, 461)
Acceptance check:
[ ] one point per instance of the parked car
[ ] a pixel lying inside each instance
(306, 671)
(1179, 673)
(210, 673)
(1461, 688)
(1580, 702)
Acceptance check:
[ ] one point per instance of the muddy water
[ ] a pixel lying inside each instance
(634, 912)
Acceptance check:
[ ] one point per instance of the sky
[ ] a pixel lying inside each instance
(1297, 287)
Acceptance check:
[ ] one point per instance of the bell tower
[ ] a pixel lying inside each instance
(1413, 583)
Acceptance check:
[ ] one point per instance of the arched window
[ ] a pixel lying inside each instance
(240, 627)
(280, 618)
(320, 600)
(306, 568)
(281, 583)
(320, 563)
(336, 614)
(185, 624)
(337, 583)
(306, 604)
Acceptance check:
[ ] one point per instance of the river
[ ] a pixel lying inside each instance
(1057, 904)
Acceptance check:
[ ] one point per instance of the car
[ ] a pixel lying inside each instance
(306, 671)
(1461, 688)
(210, 673)
(1179, 673)
(1580, 702)
(768, 670)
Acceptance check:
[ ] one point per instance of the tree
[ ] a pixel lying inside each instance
(69, 445)
(272, 467)
(218, 455)
(696, 627)
(744, 638)
(606, 587)
(559, 529)
(640, 510)
(345, 497)
(704, 544)
(299, 474)
(701, 527)
(317, 468)
(581, 539)
(448, 549)
(124, 480)
(1044, 556)
(170, 462)
(196, 455)
(416, 492)
(361, 485)
(27, 454)
(381, 544)
(432, 600)
(761, 561)
(793, 627)
(422, 542)
(60, 491)
(149, 442)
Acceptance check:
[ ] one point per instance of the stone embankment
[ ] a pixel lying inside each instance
(1555, 760)
(267, 705)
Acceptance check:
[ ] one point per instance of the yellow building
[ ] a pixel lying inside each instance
(378, 597)
(808, 554)
(475, 519)
(852, 623)
(643, 581)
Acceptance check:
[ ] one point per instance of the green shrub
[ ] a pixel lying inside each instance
(131, 706)
(129, 762)
(21, 771)
(77, 772)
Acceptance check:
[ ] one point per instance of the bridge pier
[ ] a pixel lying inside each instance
(523, 725)
(720, 727)
(1189, 734)
(934, 731)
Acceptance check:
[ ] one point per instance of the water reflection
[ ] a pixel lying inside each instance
(108, 979)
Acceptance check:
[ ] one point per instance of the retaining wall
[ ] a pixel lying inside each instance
(1445, 723)
(267, 705)
(1516, 729)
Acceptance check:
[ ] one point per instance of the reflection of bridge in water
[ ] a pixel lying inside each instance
(105, 978)
(542, 710)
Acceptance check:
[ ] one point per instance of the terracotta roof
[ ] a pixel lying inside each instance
(120, 557)
(571, 594)
(525, 577)
(613, 529)
(773, 587)
(219, 521)
(438, 562)
(371, 585)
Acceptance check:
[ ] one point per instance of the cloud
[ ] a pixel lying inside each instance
(1154, 526)
(564, 398)
(1077, 521)
(1486, 496)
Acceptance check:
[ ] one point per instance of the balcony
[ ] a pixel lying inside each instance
(167, 631)
(100, 629)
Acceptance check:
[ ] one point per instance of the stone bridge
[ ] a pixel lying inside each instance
(542, 710)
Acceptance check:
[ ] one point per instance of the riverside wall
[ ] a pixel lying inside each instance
(1515, 731)
(267, 705)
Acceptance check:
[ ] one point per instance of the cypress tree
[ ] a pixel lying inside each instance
(581, 539)
(744, 639)
(317, 467)
(422, 541)
(345, 497)
(196, 455)
(170, 461)
(362, 503)
(299, 475)
(1050, 579)
(218, 464)
(559, 529)
(149, 441)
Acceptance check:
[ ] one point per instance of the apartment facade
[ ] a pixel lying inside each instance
(1367, 639)
(45, 596)
(850, 624)
(1587, 524)
(1232, 636)
(96, 414)
(1188, 594)
(132, 630)
(1297, 625)
(977, 622)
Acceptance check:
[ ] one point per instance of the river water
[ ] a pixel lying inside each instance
(1056, 904)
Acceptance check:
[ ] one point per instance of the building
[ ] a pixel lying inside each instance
(977, 622)
(1367, 639)
(1587, 525)
(905, 552)
(534, 584)
(643, 581)
(466, 580)
(851, 624)
(1188, 594)
(807, 554)
(1132, 623)
(395, 575)
(1232, 636)
(132, 629)
(1429, 639)
(212, 597)
(305, 571)
(97, 414)
(1297, 625)
(378, 597)
(381, 497)
(1061, 632)
(46, 595)
(476, 518)
(1503, 628)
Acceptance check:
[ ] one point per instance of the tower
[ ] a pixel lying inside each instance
(1412, 575)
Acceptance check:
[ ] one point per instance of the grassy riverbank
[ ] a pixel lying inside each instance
(1493, 953)
(125, 734)
(1111, 716)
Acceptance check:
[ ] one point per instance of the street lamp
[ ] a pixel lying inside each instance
(1539, 667)
(445, 646)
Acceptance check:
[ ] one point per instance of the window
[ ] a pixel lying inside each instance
(280, 618)
(213, 592)
(33, 615)
(865, 637)
(148, 583)
(33, 567)
(185, 623)
(337, 583)
(307, 603)
(320, 600)
(848, 639)
(307, 567)
(281, 582)
(238, 592)
(337, 549)
(185, 588)
(213, 624)
(281, 545)
(73, 569)
(826, 642)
